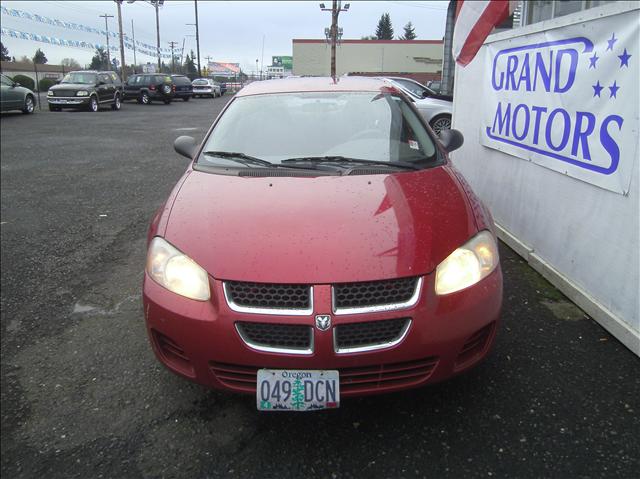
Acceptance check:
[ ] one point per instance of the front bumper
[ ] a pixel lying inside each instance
(68, 102)
(448, 335)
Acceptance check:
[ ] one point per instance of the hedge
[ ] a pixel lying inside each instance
(25, 81)
(45, 83)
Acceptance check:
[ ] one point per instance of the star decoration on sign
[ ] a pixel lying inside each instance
(611, 41)
(624, 59)
(593, 60)
(614, 90)
(597, 89)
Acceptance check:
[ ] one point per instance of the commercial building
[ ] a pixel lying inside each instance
(418, 59)
(41, 71)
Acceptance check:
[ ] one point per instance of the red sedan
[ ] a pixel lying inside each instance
(321, 245)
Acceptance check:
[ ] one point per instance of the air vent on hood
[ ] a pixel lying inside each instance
(266, 172)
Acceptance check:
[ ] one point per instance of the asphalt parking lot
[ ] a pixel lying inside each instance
(83, 396)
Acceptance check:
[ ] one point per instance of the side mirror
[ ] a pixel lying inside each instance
(15, 84)
(185, 146)
(100, 82)
(425, 94)
(451, 139)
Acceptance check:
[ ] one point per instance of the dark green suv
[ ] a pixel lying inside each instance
(86, 90)
(148, 87)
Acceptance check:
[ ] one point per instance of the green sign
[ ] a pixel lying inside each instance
(286, 62)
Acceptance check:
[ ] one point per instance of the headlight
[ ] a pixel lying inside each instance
(176, 271)
(82, 93)
(49, 93)
(467, 265)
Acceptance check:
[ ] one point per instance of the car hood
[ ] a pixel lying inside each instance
(71, 86)
(432, 102)
(320, 230)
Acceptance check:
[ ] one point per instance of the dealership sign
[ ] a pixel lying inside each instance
(567, 99)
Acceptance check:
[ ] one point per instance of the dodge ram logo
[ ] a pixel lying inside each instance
(323, 322)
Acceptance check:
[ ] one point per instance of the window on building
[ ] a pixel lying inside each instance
(535, 11)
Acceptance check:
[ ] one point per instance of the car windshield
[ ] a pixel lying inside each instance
(372, 126)
(81, 78)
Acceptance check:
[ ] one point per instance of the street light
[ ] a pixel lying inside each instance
(156, 4)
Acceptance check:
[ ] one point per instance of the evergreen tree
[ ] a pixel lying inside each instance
(409, 32)
(190, 68)
(99, 60)
(39, 57)
(4, 53)
(385, 29)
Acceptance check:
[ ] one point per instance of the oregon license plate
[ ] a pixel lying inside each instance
(297, 390)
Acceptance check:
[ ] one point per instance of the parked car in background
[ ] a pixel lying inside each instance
(183, 86)
(435, 111)
(223, 88)
(382, 275)
(89, 90)
(148, 87)
(419, 90)
(205, 87)
(435, 85)
(13, 96)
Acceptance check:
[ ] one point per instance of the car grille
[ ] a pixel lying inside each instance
(269, 298)
(293, 338)
(379, 378)
(64, 93)
(374, 295)
(371, 335)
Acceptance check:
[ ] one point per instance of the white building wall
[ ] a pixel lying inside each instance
(583, 238)
(314, 58)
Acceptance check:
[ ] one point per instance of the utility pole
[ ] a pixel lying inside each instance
(333, 32)
(262, 58)
(156, 4)
(197, 38)
(173, 63)
(182, 55)
(123, 72)
(256, 75)
(106, 26)
(133, 34)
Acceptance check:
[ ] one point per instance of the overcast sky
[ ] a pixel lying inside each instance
(229, 31)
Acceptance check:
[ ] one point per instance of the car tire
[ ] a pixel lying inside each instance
(93, 104)
(439, 123)
(186, 98)
(117, 104)
(54, 108)
(167, 101)
(29, 105)
(144, 98)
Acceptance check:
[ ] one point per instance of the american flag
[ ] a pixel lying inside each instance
(475, 19)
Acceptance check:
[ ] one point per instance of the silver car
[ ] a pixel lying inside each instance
(205, 87)
(15, 97)
(435, 111)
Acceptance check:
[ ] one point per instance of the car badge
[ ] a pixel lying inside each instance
(323, 322)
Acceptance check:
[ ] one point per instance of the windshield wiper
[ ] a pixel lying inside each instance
(351, 161)
(248, 160)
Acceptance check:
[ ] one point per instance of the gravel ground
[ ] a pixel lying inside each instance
(83, 396)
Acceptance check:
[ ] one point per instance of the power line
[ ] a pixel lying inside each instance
(419, 5)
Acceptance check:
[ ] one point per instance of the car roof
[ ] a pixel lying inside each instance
(309, 84)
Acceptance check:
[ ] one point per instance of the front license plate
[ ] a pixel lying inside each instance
(297, 390)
